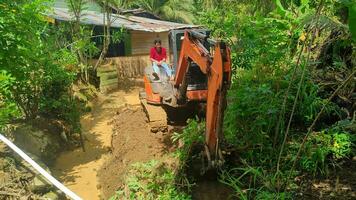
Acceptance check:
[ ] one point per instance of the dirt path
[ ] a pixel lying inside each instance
(78, 169)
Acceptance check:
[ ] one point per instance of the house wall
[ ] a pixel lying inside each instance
(141, 41)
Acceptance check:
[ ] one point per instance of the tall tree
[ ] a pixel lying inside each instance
(175, 10)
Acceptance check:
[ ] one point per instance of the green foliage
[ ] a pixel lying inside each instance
(317, 148)
(320, 146)
(8, 109)
(251, 105)
(265, 44)
(176, 10)
(22, 55)
(342, 143)
(310, 103)
(255, 102)
(82, 45)
(254, 41)
(26, 56)
(192, 134)
(151, 180)
(327, 146)
(262, 183)
(37, 72)
(73, 47)
(119, 35)
(250, 123)
(351, 5)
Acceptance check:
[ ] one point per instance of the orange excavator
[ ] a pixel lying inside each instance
(202, 77)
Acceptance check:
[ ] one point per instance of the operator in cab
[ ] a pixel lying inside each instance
(158, 57)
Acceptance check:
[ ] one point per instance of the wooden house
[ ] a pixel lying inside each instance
(129, 57)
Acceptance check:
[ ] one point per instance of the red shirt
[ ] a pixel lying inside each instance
(158, 56)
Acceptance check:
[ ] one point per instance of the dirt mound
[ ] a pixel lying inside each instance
(132, 142)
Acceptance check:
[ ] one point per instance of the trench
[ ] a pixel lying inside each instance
(77, 169)
(117, 135)
(209, 188)
(206, 185)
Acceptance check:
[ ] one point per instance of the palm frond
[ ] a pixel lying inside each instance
(324, 22)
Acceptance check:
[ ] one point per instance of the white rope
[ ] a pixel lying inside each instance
(48, 176)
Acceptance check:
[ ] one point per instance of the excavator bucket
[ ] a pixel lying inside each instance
(156, 116)
(151, 99)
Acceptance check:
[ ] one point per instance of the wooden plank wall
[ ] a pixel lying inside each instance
(107, 78)
(120, 68)
(129, 66)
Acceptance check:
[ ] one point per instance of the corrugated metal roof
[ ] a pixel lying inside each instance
(128, 22)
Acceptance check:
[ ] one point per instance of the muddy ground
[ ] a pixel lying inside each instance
(132, 142)
(78, 169)
(117, 135)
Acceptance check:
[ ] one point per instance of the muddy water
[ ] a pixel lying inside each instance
(211, 190)
(207, 187)
(78, 169)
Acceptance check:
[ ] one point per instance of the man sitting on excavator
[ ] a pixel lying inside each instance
(158, 57)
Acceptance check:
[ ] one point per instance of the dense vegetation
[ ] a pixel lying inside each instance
(283, 113)
(34, 77)
(291, 106)
(42, 65)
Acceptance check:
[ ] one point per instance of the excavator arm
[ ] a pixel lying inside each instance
(217, 67)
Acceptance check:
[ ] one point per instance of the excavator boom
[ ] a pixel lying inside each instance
(217, 67)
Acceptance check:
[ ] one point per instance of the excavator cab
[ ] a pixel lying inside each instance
(196, 79)
(175, 43)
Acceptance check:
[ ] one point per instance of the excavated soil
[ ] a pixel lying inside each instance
(78, 169)
(132, 142)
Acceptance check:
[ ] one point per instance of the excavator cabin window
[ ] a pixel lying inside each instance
(175, 42)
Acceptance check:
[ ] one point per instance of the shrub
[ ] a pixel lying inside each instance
(40, 82)
(327, 147)
(151, 180)
(8, 109)
(192, 134)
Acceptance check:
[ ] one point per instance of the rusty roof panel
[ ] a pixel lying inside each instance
(128, 22)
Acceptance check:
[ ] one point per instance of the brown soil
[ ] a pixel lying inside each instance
(132, 142)
(77, 169)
